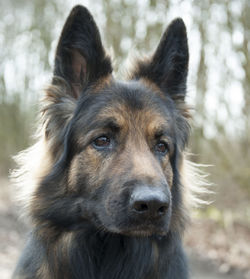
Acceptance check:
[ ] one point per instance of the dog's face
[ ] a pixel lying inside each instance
(122, 146)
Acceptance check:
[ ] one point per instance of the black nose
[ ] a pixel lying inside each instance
(148, 202)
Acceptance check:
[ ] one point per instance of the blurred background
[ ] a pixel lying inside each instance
(219, 91)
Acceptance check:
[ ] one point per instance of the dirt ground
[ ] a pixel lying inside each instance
(215, 263)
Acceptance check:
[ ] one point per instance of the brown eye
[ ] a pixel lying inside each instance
(101, 142)
(161, 147)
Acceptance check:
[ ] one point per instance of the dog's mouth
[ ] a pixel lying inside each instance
(144, 231)
(138, 230)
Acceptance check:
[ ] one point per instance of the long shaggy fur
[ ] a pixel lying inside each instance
(108, 185)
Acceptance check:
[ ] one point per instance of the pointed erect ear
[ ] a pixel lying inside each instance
(168, 67)
(80, 56)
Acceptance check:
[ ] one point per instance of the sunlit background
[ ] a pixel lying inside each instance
(218, 91)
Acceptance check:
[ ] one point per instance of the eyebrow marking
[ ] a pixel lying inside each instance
(108, 123)
(161, 131)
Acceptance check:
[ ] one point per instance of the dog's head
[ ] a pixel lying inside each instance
(116, 145)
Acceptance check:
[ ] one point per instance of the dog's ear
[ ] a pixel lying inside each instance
(80, 56)
(168, 67)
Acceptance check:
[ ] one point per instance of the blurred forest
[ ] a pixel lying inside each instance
(219, 79)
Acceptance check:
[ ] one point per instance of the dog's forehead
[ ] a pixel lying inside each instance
(134, 104)
(136, 96)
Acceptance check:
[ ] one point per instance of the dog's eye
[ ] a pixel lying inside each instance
(162, 147)
(101, 142)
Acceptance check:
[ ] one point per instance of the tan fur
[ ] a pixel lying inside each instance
(43, 271)
(153, 87)
(102, 83)
(59, 248)
(144, 164)
(155, 255)
(72, 180)
(35, 162)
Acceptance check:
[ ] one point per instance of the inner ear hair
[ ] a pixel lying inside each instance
(79, 66)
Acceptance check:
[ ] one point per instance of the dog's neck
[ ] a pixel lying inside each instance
(100, 255)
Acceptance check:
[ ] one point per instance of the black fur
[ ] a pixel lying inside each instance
(80, 46)
(169, 65)
(102, 255)
(72, 235)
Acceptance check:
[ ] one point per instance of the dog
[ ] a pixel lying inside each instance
(108, 169)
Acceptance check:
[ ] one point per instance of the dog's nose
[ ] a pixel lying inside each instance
(148, 203)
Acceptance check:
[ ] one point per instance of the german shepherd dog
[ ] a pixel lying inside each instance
(107, 172)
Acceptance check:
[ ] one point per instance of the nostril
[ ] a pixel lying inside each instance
(162, 210)
(151, 207)
(143, 207)
(140, 207)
